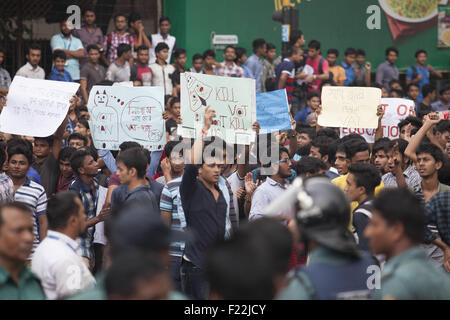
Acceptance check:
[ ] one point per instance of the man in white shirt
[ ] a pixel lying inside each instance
(57, 260)
(161, 70)
(163, 36)
(31, 69)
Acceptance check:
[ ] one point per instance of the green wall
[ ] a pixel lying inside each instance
(335, 23)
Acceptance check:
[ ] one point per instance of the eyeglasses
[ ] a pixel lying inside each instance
(283, 160)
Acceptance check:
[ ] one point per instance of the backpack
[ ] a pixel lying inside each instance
(330, 79)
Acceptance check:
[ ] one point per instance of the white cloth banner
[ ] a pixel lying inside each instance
(36, 107)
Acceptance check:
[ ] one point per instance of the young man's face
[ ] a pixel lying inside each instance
(426, 165)
(298, 57)
(353, 191)
(197, 64)
(271, 54)
(413, 93)
(314, 152)
(120, 23)
(175, 110)
(65, 30)
(394, 158)
(94, 56)
(65, 168)
(41, 148)
(380, 160)
(313, 53)
(210, 170)
(34, 56)
(331, 57)
(165, 27)
(163, 54)
(261, 50)
(284, 166)
(303, 140)
(59, 64)
(445, 97)
(79, 128)
(90, 167)
(89, 17)
(360, 59)
(229, 54)
(350, 58)
(209, 61)
(127, 55)
(181, 60)
(313, 103)
(421, 59)
(177, 162)
(392, 57)
(85, 114)
(123, 173)
(18, 166)
(341, 163)
(380, 234)
(143, 56)
(76, 143)
(136, 25)
(16, 235)
(443, 138)
(361, 157)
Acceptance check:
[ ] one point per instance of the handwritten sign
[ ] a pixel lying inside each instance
(394, 111)
(233, 99)
(350, 107)
(272, 111)
(120, 114)
(36, 107)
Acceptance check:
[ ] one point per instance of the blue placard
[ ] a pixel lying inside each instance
(272, 111)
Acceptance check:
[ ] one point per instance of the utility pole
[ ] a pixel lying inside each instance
(288, 16)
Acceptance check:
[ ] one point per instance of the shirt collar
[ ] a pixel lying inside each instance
(27, 181)
(324, 255)
(64, 38)
(273, 183)
(345, 65)
(31, 67)
(415, 253)
(24, 275)
(84, 187)
(63, 237)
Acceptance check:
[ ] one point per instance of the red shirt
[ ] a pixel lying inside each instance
(315, 85)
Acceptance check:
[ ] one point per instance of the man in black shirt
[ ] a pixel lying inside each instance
(205, 210)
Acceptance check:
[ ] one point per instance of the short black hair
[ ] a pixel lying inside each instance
(50, 140)
(401, 205)
(354, 146)
(59, 54)
(21, 149)
(333, 51)
(323, 143)
(399, 92)
(443, 89)
(209, 53)
(77, 159)
(134, 158)
(391, 49)
(419, 52)
(120, 14)
(428, 89)
(33, 46)
(293, 50)
(432, 150)
(258, 43)
(128, 145)
(178, 52)
(402, 145)
(394, 81)
(349, 51)
(328, 132)
(92, 47)
(123, 48)
(60, 208)
(129, 270)
(77, 136)
(311, 95)
(415, 122)
(66, 153)
(13, 205)
(162, 19)
(239, 53)
(314, 44)
(381, 145)
(197, 56)
(302, 128)
(443, 126)
(173, 101)
(141, 48)
(360, 52)
(161, 46)
(87, 9)
(412, 84)
(133, 17)
(170, 146)
(294, 36)
(366, 175)
(270, 46)
(309, 165)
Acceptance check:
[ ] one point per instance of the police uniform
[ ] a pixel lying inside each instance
(410, 276)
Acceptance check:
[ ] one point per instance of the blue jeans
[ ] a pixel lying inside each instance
(175, 272)
(193, 282)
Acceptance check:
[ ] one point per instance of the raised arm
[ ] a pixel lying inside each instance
(430, 121)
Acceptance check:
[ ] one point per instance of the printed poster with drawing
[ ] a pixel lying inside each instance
(350, 107)
(233, 99)
(120, 114)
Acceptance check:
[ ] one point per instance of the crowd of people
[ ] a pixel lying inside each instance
(307, 222)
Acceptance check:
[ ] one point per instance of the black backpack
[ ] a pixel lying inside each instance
(330, 79)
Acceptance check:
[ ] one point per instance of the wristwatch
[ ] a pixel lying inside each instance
(314, 77)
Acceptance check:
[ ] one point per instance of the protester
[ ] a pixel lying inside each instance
(268, 77)
(349, 59)
(241, 58)
(388, 71)
(66, 174)
(255, 64)
(161, 70)
(428, 94)
(444, 100)
(32, 69)
(6, 184)
(197, 63)
(92, 72)
(163, 37)
(136, 30)
(140, 69)
(285, 72)
(57, 257)
(16, 243)
(211, 66)
(89, 34)
(312, 104)
(337, 71)
(362, 71)
(117, 37)
(319, 65)
(119, 70)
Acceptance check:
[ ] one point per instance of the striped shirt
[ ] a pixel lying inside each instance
(33, 195)
(412, 179)
(171, 202)
(6, 189)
